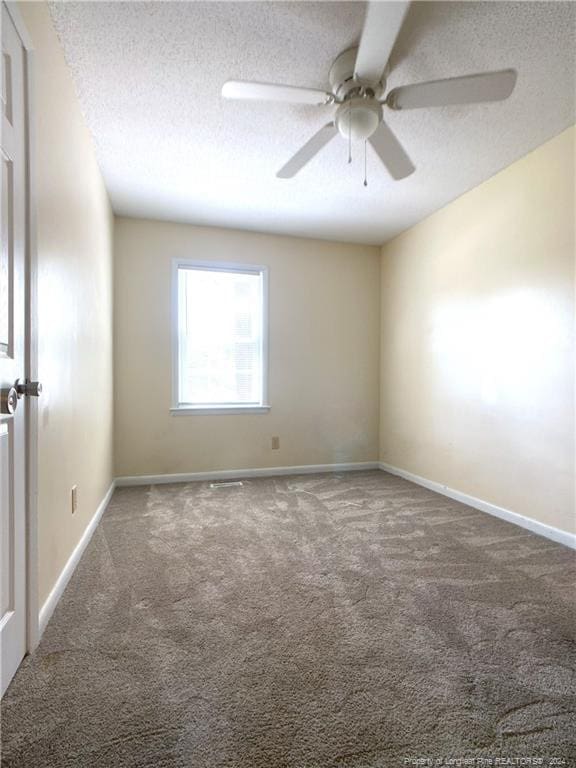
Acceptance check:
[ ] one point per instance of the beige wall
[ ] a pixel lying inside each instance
(323, 379)
(477, 341)
(74, 308)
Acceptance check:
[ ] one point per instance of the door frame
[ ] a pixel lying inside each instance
(30, 404)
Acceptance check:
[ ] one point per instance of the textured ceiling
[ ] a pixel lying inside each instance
(149, 76)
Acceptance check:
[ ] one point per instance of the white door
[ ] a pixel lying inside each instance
(12, 357)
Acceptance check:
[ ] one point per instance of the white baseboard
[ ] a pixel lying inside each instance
(233, 474)
(556, 534)
(52, 600)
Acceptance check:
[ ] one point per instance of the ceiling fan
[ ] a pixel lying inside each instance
(358, 90)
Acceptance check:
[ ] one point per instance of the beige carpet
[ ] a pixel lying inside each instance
(320, 621)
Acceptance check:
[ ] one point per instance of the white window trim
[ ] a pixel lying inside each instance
(185, 409)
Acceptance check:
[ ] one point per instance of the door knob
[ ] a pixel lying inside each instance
(30, 388)
(8, 401)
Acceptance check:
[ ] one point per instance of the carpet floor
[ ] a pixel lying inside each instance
(321, 621)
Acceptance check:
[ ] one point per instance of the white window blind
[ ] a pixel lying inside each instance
(220, 336)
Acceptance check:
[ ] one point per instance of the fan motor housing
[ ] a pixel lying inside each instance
(344, 84)
(358, 118)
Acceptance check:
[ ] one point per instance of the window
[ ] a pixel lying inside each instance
(220, 354)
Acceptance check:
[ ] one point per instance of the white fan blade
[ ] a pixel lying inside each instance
(238, 89)
(391, 152)
(470, 89)
(381, 27)
(308, 151)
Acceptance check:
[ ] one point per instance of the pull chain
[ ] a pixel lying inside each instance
(349, 136)
(365, 174)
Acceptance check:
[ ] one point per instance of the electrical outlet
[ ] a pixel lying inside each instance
(275, 443)
(74, 499)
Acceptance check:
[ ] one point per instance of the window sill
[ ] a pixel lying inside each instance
(190, 410)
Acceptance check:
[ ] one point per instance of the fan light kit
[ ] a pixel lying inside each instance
(358, 90)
